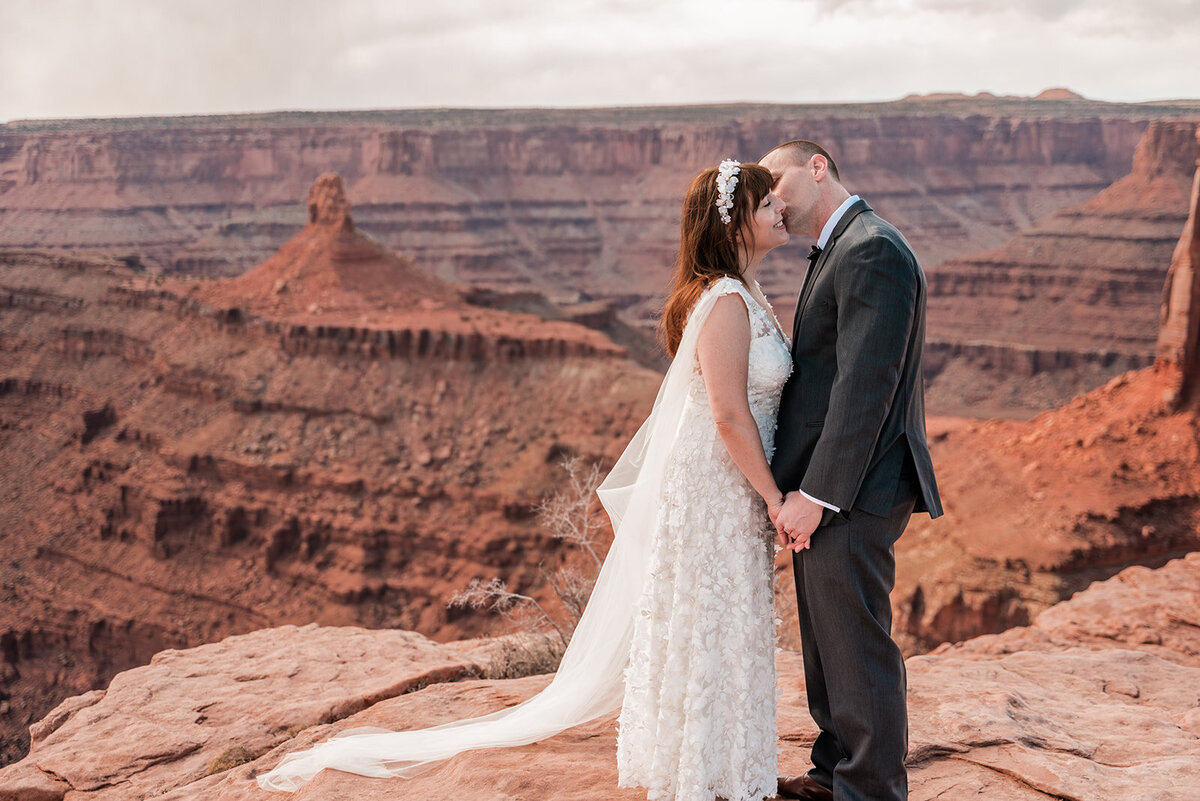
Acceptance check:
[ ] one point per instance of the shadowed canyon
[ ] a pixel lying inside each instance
(225, 409)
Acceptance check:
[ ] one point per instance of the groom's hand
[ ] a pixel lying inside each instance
(798, 520)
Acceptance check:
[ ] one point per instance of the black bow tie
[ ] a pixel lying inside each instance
(813, 254)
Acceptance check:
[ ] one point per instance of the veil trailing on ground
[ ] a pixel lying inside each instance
(590, 679)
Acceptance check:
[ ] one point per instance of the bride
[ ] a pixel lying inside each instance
(679, 630)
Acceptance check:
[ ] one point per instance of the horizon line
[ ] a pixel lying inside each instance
(930, 97)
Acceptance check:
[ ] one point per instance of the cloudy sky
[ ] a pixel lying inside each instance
(74, 58)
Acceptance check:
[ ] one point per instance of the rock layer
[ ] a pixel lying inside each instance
(1098, 699)
(563, 201)
(582, 205)
(178, 471)
(1070, 302)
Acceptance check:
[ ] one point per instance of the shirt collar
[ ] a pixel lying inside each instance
(832, 222)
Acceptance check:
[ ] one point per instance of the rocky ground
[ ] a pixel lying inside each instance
(1099, 699)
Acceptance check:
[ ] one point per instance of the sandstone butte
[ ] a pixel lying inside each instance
(1098, 699)
(186, 459)
(582, 205)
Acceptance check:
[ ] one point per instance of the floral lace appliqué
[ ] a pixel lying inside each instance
(698, 718)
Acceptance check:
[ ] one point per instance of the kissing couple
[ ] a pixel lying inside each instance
(815, 441)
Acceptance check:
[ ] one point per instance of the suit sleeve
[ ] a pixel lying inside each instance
(875, 289)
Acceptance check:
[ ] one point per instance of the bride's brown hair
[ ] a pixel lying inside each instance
(708, 248)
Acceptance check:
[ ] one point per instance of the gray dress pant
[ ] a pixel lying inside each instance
(853, 669)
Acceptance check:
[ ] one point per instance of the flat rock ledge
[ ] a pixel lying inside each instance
(1098, 699)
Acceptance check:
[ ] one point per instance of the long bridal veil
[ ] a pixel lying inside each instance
(590, 679)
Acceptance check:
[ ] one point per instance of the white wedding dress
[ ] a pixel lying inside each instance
(698, 718)
(679, 629)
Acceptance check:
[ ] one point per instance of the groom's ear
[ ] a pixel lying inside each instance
(819, 166)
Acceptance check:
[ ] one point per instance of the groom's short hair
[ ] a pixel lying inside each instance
(801, 150)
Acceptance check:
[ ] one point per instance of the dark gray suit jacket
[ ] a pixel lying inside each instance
(854, 407)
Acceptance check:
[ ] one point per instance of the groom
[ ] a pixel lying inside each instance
(851, 458)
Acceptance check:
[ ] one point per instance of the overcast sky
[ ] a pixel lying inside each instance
(73, 58)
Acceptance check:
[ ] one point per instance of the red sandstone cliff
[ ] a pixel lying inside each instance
(1036, 510)
(178, 470)
(1070, 302)
(570, 200)
(580, 205)
(187, 470)
(1179, 337)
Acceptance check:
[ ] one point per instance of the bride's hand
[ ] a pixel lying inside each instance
(774, 507)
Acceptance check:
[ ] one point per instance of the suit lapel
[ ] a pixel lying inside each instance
(810, 279)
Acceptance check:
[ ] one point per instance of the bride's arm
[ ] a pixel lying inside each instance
(723, 350)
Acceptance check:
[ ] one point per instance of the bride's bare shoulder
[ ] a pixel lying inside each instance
(730, 315)
(715, 297)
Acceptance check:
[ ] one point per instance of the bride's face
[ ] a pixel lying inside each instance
(767, 230)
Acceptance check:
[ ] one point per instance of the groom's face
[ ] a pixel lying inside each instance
(796, 186)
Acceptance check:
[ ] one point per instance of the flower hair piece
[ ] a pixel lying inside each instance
(726, 181)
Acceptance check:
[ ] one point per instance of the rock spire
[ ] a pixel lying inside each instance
(1179, 334)
(327, 202)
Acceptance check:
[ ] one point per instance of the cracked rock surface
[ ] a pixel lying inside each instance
(1099, 699)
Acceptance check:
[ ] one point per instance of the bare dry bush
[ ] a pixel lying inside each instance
(575, 516)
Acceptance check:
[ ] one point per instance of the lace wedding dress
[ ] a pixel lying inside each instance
(679, 629)
(698, 718)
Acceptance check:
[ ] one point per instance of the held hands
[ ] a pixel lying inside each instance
(796, 520)
(774, 507)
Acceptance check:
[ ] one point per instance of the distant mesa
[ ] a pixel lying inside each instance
(946, 96)
(1055, 93)
(331, 267)
(1058, 93)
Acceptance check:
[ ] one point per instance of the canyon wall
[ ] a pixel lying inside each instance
(582, 205)
(188, 456)
(1036, 510)
(565, 201)
(177, 471)
(1068, 303)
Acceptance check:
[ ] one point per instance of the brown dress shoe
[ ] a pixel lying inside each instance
(804, 787)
